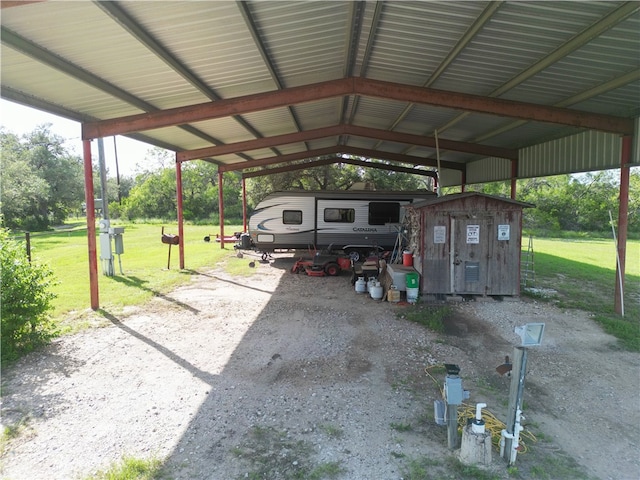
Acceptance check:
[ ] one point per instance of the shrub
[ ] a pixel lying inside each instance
(25, 300)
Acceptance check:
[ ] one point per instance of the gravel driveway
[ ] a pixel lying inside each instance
(274, 375)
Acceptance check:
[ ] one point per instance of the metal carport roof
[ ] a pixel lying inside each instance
(494, 90)
(379, 77)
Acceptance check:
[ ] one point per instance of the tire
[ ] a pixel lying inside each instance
(354, 255)
(332, 269)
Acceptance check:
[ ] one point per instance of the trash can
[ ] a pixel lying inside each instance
(245, 241)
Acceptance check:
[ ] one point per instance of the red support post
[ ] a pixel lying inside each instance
(180, 213)
(514, 178)
(91, 225)
(221, 209)
(623, 211)
(244, 205)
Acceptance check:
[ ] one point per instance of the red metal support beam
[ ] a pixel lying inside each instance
(221, 208)
(336, 130)
(623, 212)
(493, 106)
(218, 109)
(337, 150)
(244, 205)
(514, 178)
(356, 86)
(179, 197)
(91, 225)
(329, 161)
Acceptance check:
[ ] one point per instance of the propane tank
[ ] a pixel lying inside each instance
(370, 283)
(376, 291)
(393, 295)
(361, 285)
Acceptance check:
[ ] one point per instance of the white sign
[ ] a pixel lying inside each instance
(439, 234)
(503, 232)
(473, 233)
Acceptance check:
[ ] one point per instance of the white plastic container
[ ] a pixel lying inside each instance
(376, 291)
(412, 295)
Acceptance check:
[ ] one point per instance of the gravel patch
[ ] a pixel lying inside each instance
(276, 373)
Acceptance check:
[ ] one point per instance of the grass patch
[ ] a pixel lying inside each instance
(401, 427)
(273, 454)
(430, 316)
(332, 430)
(131, 469)
(144, 265)
(583, 273)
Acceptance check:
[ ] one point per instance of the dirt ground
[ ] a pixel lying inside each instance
(279, 376)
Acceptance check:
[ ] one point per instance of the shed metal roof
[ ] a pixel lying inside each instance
(408, 69)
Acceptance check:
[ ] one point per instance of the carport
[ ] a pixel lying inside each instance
(479, 91)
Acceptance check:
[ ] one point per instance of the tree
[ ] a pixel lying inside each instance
(41, 182)
(154, 194)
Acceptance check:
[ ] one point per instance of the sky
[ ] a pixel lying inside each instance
(18, 119)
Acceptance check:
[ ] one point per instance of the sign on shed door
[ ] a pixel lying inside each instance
(471, 249)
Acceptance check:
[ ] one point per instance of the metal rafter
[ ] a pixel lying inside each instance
(339, 150)
(119, 14)
(469, 34)
(362, 86)
(353, 39)
(21, 44)
(616, 16)
(338, 130)
(338, 159)
(262, 49)
(618, 82)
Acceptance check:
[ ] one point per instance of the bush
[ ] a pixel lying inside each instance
(25, 300)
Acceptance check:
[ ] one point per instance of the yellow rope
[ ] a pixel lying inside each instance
(491, 422)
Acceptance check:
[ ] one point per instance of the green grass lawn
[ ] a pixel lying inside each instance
(144, 265)
(584, 274)
(581, 271)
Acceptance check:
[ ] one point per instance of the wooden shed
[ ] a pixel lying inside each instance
(467, 244)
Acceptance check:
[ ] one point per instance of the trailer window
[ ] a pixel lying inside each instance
(292, 217)
(341, 215)
(384, 212)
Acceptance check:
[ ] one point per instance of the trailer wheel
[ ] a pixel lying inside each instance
(332, 269)
(354, 255)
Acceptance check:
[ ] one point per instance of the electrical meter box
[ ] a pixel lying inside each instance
(453, 390)
(116, 233)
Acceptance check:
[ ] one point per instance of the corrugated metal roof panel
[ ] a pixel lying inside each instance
(306, 40)
(376, 112)
(585, 151)
(488, 170)
(227, 61)
(310, 42)
(325, 113)
(414, 37)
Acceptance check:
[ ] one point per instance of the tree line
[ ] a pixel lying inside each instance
(42, 185)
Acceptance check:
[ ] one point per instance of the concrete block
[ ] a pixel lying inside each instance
(475, 448)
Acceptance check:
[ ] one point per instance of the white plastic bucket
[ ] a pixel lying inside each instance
(412, 295)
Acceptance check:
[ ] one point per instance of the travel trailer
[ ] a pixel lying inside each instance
(355, 221)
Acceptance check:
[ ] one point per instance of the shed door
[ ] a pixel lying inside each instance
(471, 254)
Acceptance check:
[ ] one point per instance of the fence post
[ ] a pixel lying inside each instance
(27, 237)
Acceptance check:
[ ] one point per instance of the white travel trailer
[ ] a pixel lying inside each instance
(356, 221)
